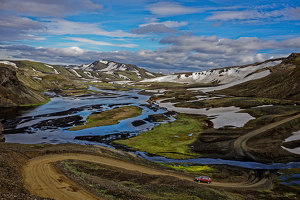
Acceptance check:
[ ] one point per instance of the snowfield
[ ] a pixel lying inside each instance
(221, 76)
(221, 87)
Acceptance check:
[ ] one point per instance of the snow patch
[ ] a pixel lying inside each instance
(137, 73)
(150, 74)
(111, 67)
(55, 71)
(103, 61)
(87, 67)
(124, 77)
(294, 137)
(123, 67)
(9, 63)
(221, 87)
(78, 75)
(88, 74)
(295, 150)
(37, 78)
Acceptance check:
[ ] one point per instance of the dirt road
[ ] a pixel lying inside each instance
(41, 177)
(240, 146)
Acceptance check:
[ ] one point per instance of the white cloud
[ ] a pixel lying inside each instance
(100, 43)
(158, 27)
(252, 14)
(63, 27)
(153, 28)
(170, 9)
(16, 28)
(183, 53)
(170, 24)
(53, 8)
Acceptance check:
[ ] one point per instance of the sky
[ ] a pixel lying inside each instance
(161, 36)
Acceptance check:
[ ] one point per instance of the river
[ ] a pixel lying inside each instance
(34, 126)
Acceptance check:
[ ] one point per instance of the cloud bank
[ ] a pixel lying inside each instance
(183, 53)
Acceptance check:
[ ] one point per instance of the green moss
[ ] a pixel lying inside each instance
(192, 169)
(171, 140)
(110, 117)
(71, 168)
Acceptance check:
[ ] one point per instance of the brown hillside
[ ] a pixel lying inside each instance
(13, 92)
(282, 83)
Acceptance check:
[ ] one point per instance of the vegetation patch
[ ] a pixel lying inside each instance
(194, 169)
(110, 117)
(77, 92)
(170, 140)
(242, 102)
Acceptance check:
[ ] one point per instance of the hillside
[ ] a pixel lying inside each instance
(219, 76)
(13, 92)
(22, 82)
(282, 83)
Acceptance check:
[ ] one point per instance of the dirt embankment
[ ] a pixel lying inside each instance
(2, 138)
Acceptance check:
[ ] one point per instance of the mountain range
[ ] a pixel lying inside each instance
(22, 82)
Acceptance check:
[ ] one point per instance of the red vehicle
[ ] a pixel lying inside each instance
(203, 179)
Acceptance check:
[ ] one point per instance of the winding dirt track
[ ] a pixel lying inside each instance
(41, 177)
(240, 146)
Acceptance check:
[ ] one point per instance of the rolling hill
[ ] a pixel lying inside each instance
(22, 82)
(282, 83)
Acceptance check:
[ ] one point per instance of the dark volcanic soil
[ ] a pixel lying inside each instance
(265, 147)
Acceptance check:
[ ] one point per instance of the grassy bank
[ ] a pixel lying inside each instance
(170, 140)
(195, 170)
(109, 117)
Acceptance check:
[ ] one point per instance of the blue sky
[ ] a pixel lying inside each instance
(167, 36)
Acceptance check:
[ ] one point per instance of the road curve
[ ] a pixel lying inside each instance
(42, 179)
(240, 146)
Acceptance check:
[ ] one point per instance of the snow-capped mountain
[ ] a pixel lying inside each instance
(114, 70)
(222, 75)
